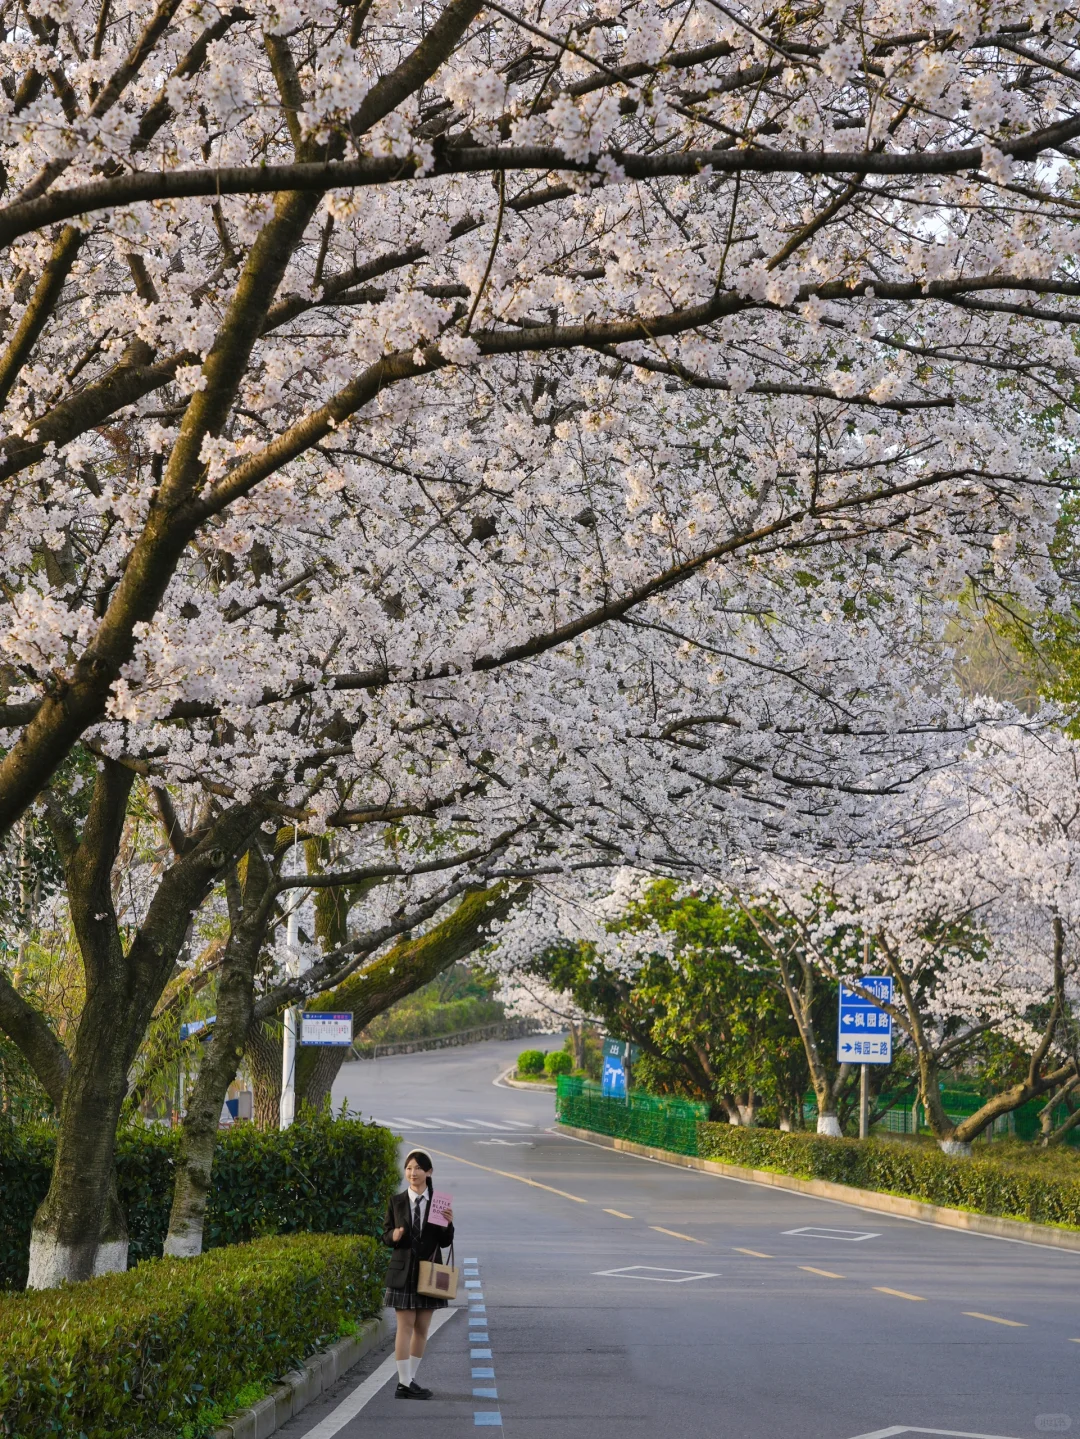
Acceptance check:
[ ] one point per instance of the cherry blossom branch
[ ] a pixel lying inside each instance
(317, 177)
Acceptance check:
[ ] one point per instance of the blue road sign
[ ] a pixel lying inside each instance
(864, 1032)
(196, 1026)
(613, 1079)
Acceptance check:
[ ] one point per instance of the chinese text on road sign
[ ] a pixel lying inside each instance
(865, 1031)
(326, 1029)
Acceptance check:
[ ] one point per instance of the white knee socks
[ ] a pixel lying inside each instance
(415, 1361)
(404, 1371)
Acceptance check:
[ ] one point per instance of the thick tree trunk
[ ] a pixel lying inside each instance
(321, 1076)
(264, 1061)
(79, 1229)
(220, 1060)
(405, 968)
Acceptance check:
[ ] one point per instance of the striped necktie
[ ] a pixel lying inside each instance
(416, 1225)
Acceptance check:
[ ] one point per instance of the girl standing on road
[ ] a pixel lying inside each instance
(412, 1239)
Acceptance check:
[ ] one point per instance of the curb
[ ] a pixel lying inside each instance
(300, 1386)
(991, 1226)
(504, 1078)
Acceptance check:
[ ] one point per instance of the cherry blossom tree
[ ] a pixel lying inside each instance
(579, 421)
(977, 923)
(640, 296)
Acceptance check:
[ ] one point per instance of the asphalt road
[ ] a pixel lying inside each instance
(618, 1298)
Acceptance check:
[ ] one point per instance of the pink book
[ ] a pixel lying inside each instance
(440, 1203)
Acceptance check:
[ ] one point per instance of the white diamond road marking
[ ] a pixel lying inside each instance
(898, 1429)
(654, 1274)
(848, 1236)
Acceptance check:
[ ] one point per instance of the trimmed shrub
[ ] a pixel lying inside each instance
(173, 1343)
(531, 1061)
(558, 1063)
(991, 1185)
(322, 1174)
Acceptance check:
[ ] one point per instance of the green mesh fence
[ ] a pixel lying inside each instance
(642, 1118)
(908, 1116)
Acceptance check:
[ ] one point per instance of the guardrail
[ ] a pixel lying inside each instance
(502, 1029)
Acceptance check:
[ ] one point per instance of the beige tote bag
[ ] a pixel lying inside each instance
(438, 1281)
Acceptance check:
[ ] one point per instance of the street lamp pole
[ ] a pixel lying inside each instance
(287, 1106)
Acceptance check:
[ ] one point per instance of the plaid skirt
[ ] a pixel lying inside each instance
(409, 1299)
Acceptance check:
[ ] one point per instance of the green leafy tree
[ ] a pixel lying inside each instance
(709, 1018)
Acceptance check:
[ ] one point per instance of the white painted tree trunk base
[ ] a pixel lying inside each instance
(186, 1244)
(53, 1263)
(785, 1126)
(957, 1148)
(829, 1125)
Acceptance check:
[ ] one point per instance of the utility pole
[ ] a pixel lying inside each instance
(287, 1107)
(864, 1074)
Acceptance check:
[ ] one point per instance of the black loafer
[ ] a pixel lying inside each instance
(418, 1391)
(404, 1391)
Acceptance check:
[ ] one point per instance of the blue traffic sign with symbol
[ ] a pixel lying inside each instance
(864, 1032)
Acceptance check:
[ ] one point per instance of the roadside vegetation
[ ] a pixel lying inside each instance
(460, 998)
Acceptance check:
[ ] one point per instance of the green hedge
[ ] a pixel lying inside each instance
(323, 1174)
(169, 1345)
(986, 1185)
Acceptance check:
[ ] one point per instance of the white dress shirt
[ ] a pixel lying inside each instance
(425, 1200)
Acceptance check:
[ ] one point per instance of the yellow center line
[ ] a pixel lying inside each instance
(534, 1183)
(993, 1319)
(618, 1214)
(899, 1293)
(755, 1253)
(675, 1234)
(1074, 1341)
(825, 1273)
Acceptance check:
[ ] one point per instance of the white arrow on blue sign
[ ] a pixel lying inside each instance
(864, 1031)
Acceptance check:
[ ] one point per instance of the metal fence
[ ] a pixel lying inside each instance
(671, 1124)
(642, 1118)
(908, 1116)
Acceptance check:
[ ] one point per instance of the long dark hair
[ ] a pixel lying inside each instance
(424, 1161)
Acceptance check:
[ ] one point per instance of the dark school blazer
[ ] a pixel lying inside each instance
(402, 1271)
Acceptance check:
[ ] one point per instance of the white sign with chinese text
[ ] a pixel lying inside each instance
(326, 1028)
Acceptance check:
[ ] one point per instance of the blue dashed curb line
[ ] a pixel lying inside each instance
(478, 1325)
